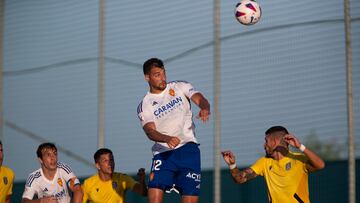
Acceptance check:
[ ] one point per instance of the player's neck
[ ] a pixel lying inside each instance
(105, 176)
(49, 174)
(280, 154)
(155, 91)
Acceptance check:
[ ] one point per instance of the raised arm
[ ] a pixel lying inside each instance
(141, 187)
(315, 162)
(77, 191)
(239, 176)
(203, 104)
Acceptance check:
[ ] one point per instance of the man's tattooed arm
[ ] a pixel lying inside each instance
(242, 176)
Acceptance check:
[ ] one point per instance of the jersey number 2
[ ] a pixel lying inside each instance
(156, 165)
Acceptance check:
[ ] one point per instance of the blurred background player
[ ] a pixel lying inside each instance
(52, 182)
(285, 172)
(166, 117)
(6, 179)
(110, 186)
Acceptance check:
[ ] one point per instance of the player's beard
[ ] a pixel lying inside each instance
(269, 152)
(160, 87)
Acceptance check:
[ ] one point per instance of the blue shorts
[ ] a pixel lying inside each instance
(179, 168)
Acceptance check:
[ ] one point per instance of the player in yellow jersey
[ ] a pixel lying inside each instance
(285, 172)
(6, 179)
(109, 186)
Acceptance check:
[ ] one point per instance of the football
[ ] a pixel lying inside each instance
(248, 12)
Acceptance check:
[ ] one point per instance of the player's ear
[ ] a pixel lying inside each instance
(97, 165)
(147, 77)
(40, 161)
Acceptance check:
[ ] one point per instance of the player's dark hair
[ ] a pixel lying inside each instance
(43, 146)
(0, 142)
(100, 152)
(151, 63)
(275, 129)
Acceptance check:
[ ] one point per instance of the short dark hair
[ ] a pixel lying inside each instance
(100, 152)
(150, 63)
(0, 142)
(275, 129)
(43, 146)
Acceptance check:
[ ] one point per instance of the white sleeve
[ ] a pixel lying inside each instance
(144, 113)
(30, 186)
(187, 89)
(67, 173)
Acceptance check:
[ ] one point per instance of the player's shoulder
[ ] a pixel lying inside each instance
(140, 105)
(146, 101)
(92, 179)
(63, 167)
(6, 170)
(120, 176)
(33, 177)
(264, 160)
(178, 82)
(182, 86)
(297, 156)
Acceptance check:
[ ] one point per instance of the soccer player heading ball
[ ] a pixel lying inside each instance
(166, 117)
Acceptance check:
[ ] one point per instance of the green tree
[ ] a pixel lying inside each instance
(326, 149)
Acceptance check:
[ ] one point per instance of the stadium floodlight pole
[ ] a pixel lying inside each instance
(217, 93)
(101, 76)
(351, 141)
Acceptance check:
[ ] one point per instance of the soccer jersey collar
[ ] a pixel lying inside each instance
(46, 179)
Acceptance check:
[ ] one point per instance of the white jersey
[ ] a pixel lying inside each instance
(171, 112)
(37, 184)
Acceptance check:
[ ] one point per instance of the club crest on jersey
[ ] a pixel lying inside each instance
(114, 185)
(288, 166)
(5, 180)
(172, 92)
(59, 181)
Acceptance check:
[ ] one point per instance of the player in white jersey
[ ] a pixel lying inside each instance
(166, 117)
(54, 181)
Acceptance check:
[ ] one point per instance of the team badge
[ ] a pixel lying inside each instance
(288, 166)
(5, 180)
(59, 181)
(151, 176)
(114, 185)
(172, 92)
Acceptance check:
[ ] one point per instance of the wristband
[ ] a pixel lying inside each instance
(302, 148)
(232, 166)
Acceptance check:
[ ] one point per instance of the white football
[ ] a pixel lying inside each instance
(248, 12)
